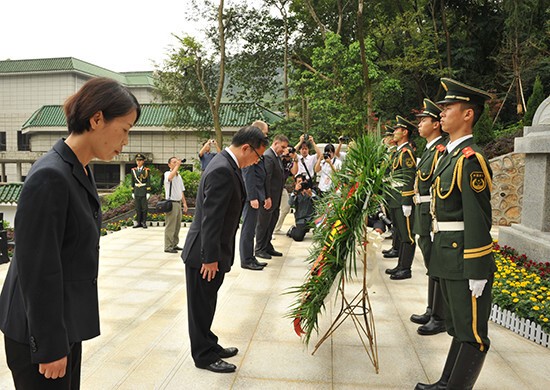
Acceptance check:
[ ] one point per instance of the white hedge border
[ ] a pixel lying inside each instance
(525, 328)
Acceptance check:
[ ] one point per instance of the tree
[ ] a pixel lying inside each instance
(483, 129)
(536, 98)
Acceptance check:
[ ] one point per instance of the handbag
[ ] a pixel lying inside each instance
(165, 206)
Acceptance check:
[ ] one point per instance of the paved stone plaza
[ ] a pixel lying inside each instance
(144, 342)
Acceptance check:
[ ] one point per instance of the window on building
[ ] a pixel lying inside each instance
(23, 142)
(106, 175)
(2, 141)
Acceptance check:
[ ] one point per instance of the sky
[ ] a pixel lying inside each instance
(119, 35)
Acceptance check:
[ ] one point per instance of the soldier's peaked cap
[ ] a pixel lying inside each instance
(456, 91)
(389, 130)
(430, 109)
(140, 156)
(402, 122)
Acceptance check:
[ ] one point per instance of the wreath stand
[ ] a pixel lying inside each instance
(360, 311)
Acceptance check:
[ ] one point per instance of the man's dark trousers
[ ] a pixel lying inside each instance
(265, 227)
(141, 209)
(248, 228)
(202, 296)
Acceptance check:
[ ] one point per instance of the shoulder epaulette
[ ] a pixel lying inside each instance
(440, 147)
(468, 152)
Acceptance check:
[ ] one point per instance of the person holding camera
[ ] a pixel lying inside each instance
(302, 200)
(174, 191)
(327, 166)
(289, 168)
(206, 153)
(305, 163)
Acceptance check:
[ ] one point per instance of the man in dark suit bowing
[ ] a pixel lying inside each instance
(274, 183)
(210, 245)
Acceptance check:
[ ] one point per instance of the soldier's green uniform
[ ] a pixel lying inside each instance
(403, 169)
(462, 254)
(141, 185)
(396, 240)
(432, 321)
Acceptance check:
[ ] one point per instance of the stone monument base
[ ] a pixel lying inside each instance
(534, 243)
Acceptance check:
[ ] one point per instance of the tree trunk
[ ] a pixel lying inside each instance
(367, 93)
(447, 35)
(219, 92)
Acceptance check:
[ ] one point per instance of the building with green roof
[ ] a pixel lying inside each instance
(32, 93)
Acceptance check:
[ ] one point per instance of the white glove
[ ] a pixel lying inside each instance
(133, 196)
(148, 196)
(407, 210)
(477, 286)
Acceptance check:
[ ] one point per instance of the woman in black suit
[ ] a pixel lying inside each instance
(49, 301)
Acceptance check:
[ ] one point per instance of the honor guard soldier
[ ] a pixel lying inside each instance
(462, 256)
(432, 321)
(141, 185)
(401, 200)
(392, 148)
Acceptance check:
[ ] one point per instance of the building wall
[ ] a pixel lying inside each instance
(22, 94)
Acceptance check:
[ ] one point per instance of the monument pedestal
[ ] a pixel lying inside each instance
(532, 236)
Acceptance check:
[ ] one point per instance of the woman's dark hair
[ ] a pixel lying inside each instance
(98, 94)
(329, 148)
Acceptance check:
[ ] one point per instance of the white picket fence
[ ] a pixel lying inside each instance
(525, 328)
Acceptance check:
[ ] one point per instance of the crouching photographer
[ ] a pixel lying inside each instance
(379, 221)
(301, 199)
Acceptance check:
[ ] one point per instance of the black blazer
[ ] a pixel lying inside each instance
(49, 298)
(275, 180)
(220, 200)
(254, 181)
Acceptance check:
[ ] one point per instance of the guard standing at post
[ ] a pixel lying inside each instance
(462, 251)
(432, 321)
(396, 240)
(141, 185)
(401, 201)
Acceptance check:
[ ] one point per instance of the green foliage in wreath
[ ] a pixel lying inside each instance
(360, 187)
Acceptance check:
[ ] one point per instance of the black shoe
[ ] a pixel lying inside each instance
(391, 271)
(422, 318)
(260, 263)
(220, 366)
(252, 266)
(172, 250)
(144, 225)
(391, 254)
(273, 252)
(402, 274)
(387, 251)
(432, 327)
(136, 226)
(263, 255)
(228, 352)
(178, 248)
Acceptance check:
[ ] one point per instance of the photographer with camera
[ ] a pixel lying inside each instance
(327, 166)
(289, 168)
(302, 200)
(305, 163)
(174, 191)
(206, 154)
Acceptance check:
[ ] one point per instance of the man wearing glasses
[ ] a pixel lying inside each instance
(254, 182)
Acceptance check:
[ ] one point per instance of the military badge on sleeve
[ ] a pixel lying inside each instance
(478, 181)
(409, 162)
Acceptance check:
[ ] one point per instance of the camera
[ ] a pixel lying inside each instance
(291, 149)
(381, 216)
(326, 155)
(343, 138)
(183, 160)
(306, 137)
(306, 185)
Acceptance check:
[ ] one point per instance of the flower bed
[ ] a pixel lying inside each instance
(521, 290)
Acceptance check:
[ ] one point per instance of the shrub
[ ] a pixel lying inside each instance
(121, 196)
(534, 101)
(191, 182)
(483, 130)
